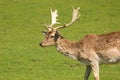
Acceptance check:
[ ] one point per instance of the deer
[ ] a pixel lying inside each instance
(92, 50)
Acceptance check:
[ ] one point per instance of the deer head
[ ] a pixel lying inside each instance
(52, 34)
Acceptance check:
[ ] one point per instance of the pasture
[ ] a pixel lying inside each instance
(21, 58)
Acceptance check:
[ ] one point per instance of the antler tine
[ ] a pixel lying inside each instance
(45, 25)
(54, 16)
(75, 16)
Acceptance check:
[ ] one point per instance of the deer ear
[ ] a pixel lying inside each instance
(57, 33)
(44, 32)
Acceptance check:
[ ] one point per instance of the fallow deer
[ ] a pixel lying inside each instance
(92, 50)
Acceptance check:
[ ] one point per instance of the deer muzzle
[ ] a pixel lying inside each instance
(41, 44)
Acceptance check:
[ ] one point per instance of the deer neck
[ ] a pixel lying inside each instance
(68, 48)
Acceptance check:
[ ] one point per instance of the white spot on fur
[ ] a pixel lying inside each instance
(112, 60)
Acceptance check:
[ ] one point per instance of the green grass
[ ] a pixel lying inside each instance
(20, 33)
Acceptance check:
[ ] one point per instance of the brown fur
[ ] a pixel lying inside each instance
(100, 42)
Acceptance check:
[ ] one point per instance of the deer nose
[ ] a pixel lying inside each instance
(41, 44)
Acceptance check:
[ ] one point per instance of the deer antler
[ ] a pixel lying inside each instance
(75, 16)
(54, 17)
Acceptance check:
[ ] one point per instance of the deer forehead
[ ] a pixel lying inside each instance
(52, 32)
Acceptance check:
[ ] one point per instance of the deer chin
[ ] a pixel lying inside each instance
(42, 45)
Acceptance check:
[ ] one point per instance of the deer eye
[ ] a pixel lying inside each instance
(51, 36)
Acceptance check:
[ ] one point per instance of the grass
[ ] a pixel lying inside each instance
(20, 24)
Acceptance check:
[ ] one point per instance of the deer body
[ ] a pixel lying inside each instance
(92, 50)
(92, 45)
